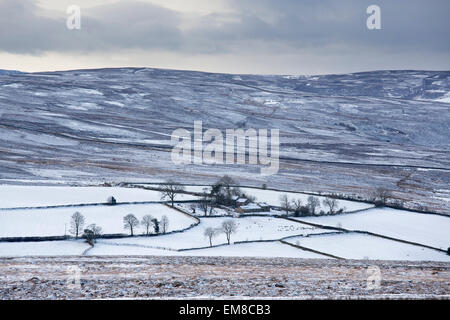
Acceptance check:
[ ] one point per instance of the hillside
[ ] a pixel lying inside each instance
(339, 133)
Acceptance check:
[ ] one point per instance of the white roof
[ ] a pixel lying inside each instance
(250, 206)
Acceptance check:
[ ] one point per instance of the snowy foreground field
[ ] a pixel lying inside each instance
(159, 277)
(256, 236)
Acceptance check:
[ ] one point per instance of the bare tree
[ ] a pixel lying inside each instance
(169, 190)
(206, 204)
(210, 233)
(147, 223)
(223, 191)
(229, 227)
(91, 233)
(76, 224)
(382, 195)
(285, 203)
(332, 205)
(297, 205)
(164, 223)
(130, 222)
(313, 204)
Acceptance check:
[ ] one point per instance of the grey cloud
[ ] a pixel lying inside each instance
(274, 25)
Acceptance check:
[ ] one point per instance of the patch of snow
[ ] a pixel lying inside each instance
(38, 196)
(359, 246)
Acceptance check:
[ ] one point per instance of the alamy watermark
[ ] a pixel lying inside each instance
(73, 21)
(239, 146)
(373, 22)
(73, 278)
(373, 278)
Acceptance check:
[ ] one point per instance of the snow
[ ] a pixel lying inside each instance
(428, 229)
(359, 246)
(43, 248)
(273, 198)
(248, 228)
(251, 206)
(255, 249)
(104, 249)
(56, 221)
(72, 247)
(37, 196)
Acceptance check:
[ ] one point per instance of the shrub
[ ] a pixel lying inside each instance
(91, 233)
(378, 203)
(111, 201)
(304, 210)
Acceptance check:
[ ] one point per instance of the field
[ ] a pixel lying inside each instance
(262, 235)
(72, 139)
(427, 229)
(346, 134)
(360, 246)
(35, 196)
(219, 278)
(56, 221)
(273, 197)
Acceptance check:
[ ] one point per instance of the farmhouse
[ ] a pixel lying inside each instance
(239, 202)
(253, 207)
(264, 206)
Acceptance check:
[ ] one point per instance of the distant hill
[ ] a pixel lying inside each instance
(347, 133)
(9, 71)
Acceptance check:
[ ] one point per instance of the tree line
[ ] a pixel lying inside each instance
(130, 222)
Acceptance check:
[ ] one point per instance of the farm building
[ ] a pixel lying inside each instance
(239, 202)
(252, 207)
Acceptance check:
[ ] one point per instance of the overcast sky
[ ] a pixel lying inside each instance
(232, 36)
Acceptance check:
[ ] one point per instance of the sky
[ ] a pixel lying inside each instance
(229, 36)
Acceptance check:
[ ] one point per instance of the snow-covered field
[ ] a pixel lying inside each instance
(56, 221)
(427, 229)
(39, 196)
(272, 197)
(165, 277)
(360, 246)
(255, 249)
(248, 229)
(43, 248)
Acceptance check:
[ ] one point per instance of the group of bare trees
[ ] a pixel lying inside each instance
(131, 223)
(169, 190)
(228, 227)
(381, 196)
(311, 207)
(90, 233)
(221, 193)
